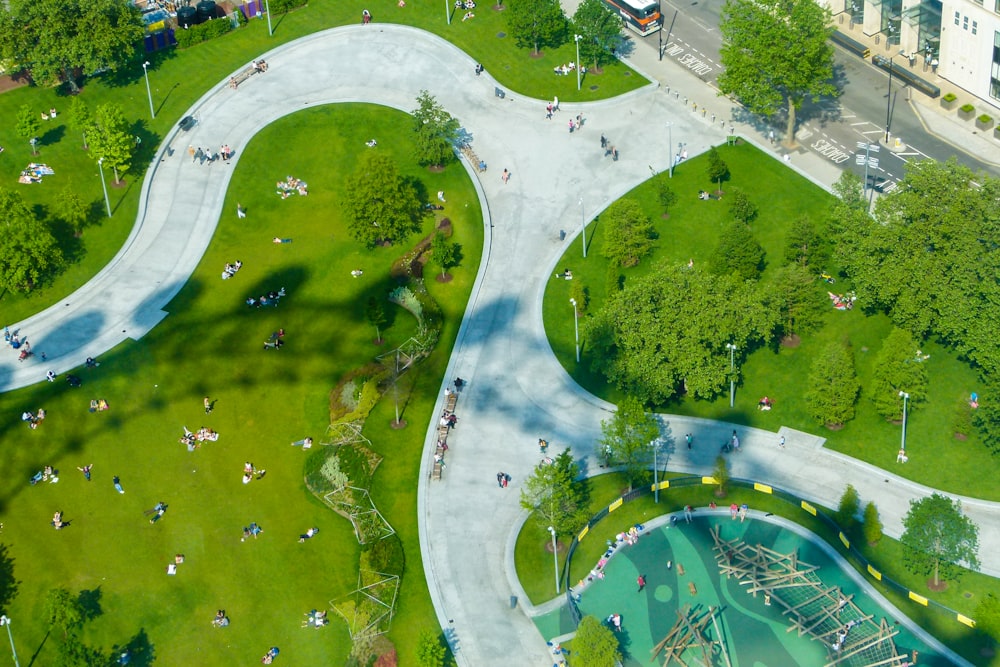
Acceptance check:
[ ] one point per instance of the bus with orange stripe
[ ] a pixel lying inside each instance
(642, 16)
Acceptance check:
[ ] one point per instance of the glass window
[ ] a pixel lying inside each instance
(995, 68)
(957, 14)
(965, 23)
(975, 27)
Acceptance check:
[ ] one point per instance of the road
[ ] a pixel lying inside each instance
(831, 128)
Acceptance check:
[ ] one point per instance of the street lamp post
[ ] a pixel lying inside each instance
(656, 480)
(670, 146)
(868, 160)
(659, 10)
(888, 101)
(577, 38)
(149, 92)
(267, 10)
(583, 228)
(4, 620)
(732, 376)
(576, 328)
(903, 395)
(104, 186)
(555, 555)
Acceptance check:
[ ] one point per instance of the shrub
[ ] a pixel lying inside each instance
(333, 474)
(741, 208)
(985, 118)
(847, 511)
(581, 293)
(967, 108)
(282, 6)
(950, 97)
(386, 556)
(202, 33)
(872, 527)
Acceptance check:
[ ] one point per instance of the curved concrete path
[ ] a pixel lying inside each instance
(517, 391)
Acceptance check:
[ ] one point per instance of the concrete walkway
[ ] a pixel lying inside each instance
(517, 392)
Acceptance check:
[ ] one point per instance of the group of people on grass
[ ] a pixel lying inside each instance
(291, 186)
(269, 299)
(231, 269)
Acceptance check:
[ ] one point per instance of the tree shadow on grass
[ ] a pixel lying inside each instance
(8, 584)
(90, 603)
(141, 652)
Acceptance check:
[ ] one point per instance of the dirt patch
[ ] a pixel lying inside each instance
(834, 427)
(961, 437)
(435, 168)
(12, 81)
(446, 278)
(791, 342)
(540, 54)
(560, 547)
(398, 425)
(937, 588)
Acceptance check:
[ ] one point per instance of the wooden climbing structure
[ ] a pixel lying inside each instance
(823, 613)
(689, 633)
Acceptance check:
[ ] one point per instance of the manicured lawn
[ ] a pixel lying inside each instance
(178, 78)
(691, 233)
(533, 556)
(212, 344)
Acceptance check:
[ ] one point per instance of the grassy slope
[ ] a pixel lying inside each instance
(212, 344)
(691, 233)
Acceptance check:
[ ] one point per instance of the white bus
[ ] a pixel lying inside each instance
(642, 16)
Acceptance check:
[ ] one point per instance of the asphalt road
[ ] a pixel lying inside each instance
(832, 128)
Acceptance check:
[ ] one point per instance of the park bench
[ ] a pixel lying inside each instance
(246, 73)
(450, 402)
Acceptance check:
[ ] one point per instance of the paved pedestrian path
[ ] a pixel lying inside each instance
(517, 392)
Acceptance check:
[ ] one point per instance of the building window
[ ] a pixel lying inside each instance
(975, 27)
(965, 23)
(995, 68)
(957, 14)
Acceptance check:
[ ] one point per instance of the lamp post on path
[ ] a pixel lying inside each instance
(577, 38)
(576, 328)
(670, 147)
(555, 555)
(149, 93)
(104, 186)
(656, 482)
(888, 101)
(732, 376)
(4, 620)
(903, 395)
(267, 10)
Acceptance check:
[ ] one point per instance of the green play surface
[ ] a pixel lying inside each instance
(752, 633)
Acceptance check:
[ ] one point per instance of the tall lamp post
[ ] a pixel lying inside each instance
(867, 160)
(656, 481)
(447, 11)
(888, 101)
(104, 186)
(670, 146)
(577, 38)
(267, 10)
(576, 328)
(6, 621)
(659, 10)
(903, 395)
(583, 228)
(732, 376)
(149, 93)
(555, 555)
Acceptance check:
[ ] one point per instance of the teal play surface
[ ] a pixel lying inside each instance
(752, 633)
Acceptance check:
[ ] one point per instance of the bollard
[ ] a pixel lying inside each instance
(685, 100)
(713, 117)
(513, 602)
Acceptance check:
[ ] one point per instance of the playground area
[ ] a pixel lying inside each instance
(784, 601)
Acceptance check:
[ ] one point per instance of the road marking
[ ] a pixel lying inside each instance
(804, 133)
(829, 151)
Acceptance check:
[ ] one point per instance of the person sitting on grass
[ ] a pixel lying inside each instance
(308, 535)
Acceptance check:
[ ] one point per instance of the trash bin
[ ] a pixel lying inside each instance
(187, 17)
(206, 10)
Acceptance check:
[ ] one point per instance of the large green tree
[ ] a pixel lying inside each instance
(79, 118)
(807, 244)
(667, 332)
(29, 253)
(738, 253)
(556, 495)
(801, 302)
(929, 258)
(63, 611)
(436, 131)
(600, 32)
(627, 436)
(833, 385)
(775, 55)
(595, 645)
(55, 38)
(382, 205)
(628, 233)
(899, 367)
(939, 536)
(27, 124)
(111, 139)
(446, 254)
(536, 23)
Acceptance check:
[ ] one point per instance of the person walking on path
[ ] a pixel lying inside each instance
(688, 439)
(641, 580)
(501, 476)
(86, 470)
(505, 176)
(781, 442)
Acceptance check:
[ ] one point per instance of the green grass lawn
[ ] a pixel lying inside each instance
(533, 556)
(212, 344)
(179, 77)
(691, 233)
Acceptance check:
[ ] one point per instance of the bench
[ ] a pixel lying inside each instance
(436, 471)
(450, 402)
(243, 75)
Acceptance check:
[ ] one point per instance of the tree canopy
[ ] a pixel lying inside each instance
(628, 233)
(29, 253)
(667, 332)
(436, 130)
(739, 252)
(52, 38)
(928, 257)
(833, 385)
(446, 254)
(938, 536)
(381, 205)
(627, 436)
(536, 23)
(595, 645)
(775, 55)
(556, 496)
(899, 367)
(111, 139)
(600, 32)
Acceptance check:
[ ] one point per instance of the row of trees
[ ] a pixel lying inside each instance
(540, 23)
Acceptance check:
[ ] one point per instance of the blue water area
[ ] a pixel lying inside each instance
(753, 633)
